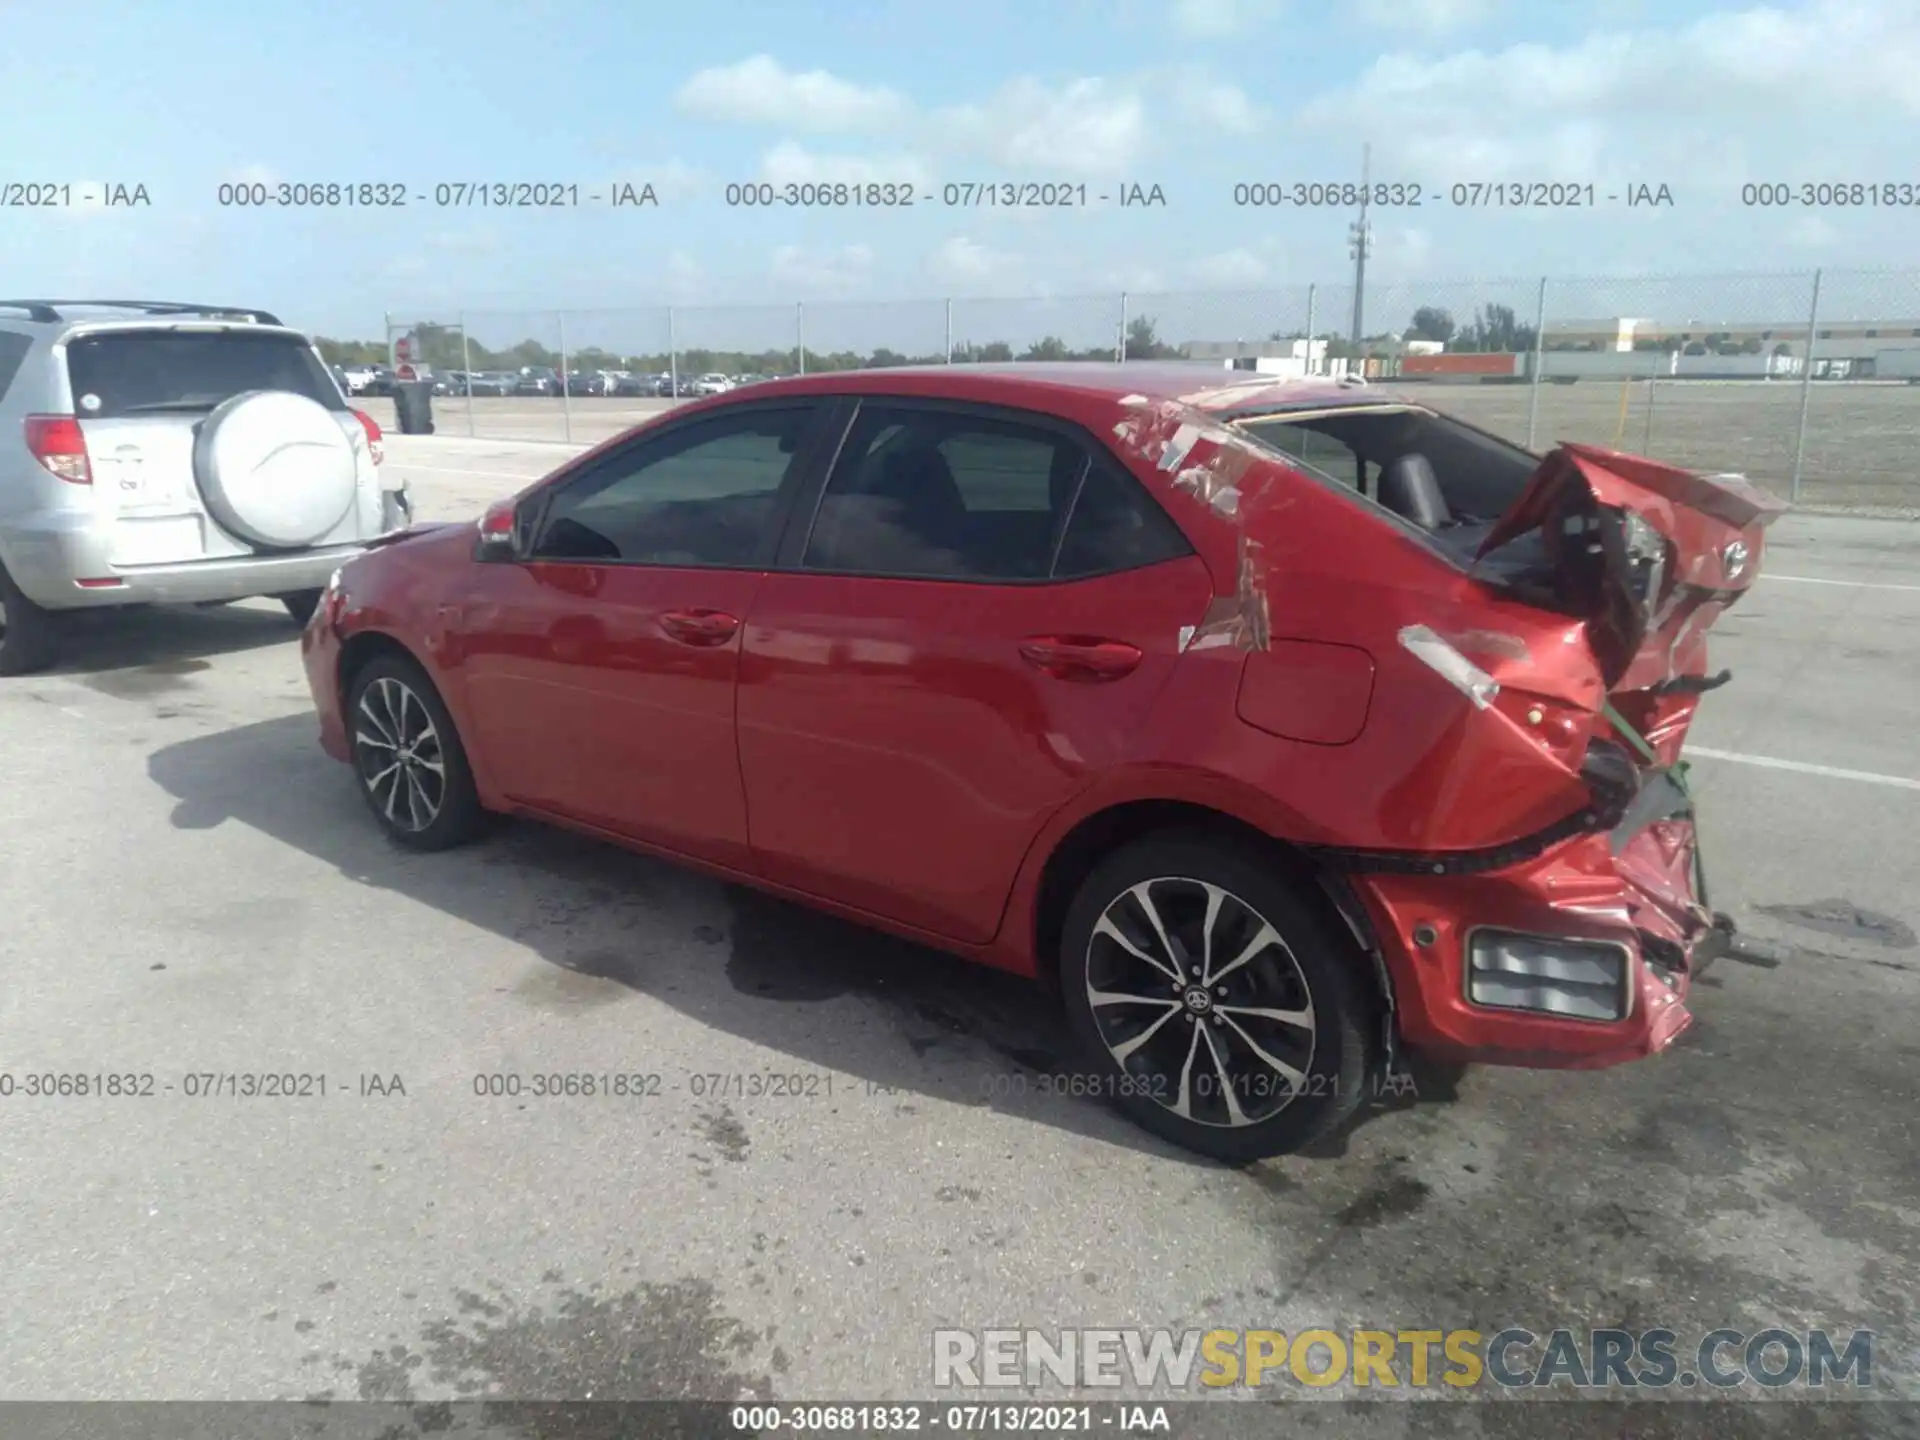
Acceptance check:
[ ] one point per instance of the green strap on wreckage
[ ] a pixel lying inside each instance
(1679, 773)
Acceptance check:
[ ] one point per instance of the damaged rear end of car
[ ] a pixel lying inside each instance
(1477, 674)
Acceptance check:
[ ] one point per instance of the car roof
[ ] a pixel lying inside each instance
(1151, 380)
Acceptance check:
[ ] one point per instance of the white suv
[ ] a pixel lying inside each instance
(157, 452)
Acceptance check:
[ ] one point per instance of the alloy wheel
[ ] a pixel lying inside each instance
(398, 753)
(1194, 992)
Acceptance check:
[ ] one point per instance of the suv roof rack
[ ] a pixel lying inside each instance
(47, 312)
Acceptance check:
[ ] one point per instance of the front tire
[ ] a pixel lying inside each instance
(29, 633)
(1216, 1005)
(408, 761)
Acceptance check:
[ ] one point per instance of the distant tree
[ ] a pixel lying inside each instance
(1144, 344)
(1495, 329)
(1051, 347)
(996, 353)
(1430, 322)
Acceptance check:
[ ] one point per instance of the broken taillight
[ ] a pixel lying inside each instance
(375, 447)
(57, 442)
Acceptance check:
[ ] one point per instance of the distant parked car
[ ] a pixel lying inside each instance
(630, 384)
(537, 382)
(357, 378)
(712, 383)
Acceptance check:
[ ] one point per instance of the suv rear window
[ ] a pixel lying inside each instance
(149, 371)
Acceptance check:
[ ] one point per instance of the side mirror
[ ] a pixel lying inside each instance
(499, 532)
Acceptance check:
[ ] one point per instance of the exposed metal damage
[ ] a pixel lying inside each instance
(1215, 464)
(1570, 631)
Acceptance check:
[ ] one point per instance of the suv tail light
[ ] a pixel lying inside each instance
(368, 424)
(58, 444)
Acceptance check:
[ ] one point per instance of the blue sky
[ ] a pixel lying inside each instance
(1191, 95)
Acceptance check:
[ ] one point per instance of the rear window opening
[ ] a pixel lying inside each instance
(1445, 478)
(1451, 484)
(151, 372)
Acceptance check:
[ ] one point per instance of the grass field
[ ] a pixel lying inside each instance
(1861, 436)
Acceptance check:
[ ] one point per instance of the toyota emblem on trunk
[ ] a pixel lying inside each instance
(1734, 559)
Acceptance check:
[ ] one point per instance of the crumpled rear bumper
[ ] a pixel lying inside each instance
(1637, 887)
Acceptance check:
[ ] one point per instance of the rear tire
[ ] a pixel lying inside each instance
(408, 762)
(1252, 1034)
(301, 605)
(29, 633)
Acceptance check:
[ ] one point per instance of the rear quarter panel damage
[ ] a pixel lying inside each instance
(1306, 578)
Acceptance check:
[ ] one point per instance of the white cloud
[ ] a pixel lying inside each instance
(964, 263)
(1089, 127)
(1215, 19)
(1132, 279)
(1218, 105)
(1430, 16)
(1230, 268)
(761, 90)
(822, 272)
(1711, 101)
(255, 174)
(790, 164)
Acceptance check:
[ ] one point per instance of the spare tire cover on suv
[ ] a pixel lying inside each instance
(275, 468)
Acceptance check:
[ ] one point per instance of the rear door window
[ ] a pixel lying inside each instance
(927, 493)
(138, 372)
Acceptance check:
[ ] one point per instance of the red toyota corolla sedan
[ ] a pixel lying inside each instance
(1279, 725)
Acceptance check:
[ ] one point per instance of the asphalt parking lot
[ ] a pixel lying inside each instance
(192, 887)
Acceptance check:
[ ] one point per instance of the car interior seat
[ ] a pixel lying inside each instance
(1409, 488)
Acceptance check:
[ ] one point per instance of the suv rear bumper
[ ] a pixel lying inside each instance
(50, 556)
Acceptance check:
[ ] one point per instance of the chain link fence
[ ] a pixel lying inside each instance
(1809, 382)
